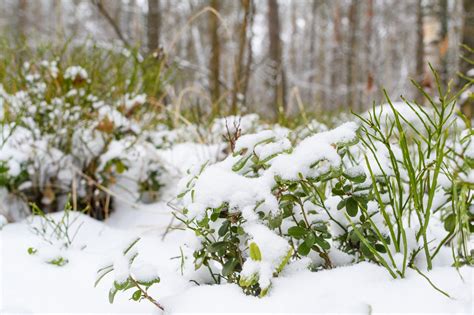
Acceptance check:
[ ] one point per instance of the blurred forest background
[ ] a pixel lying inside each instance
(268, 56)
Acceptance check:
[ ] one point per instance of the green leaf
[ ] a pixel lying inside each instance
(32, 251)
(112, 293)
(132, 243)
(215, 216)
(352, 206)
(341, 204)
(229, 267)
(366, 251)
(275, 221)
(240, 163)
(217, 246)
(450, 223)
(137, 295)
(224, 228)
(322, 243)
(358, 178)
(297, 232)
(255, 253)
(121, 286)
(102, 273)
(120, 167)
(310, 240)
(380, 248)
(150, 282)
(60, 261)
(303, 249)
(290, 198)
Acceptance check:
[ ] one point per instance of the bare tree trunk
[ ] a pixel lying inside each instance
(249, 59)
(22, 18)
(153, 25)
(239, 71)
(58, 21)
(443, 47)
(353, 26)
(432, 40)
(323, 56)
(277, 76)
(312, 49)
(368, 52)
(214, 62)
(336, 56)
(420, 68)
(467, 40)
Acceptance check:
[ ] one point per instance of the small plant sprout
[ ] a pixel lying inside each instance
(128, 276)
(57, 235)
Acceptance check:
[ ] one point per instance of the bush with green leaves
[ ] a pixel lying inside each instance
(263, 206)
(62, 138)
(415, 159)
(395, 189)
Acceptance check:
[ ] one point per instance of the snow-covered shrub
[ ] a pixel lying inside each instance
(396, 191)
(128, 276)
(415, 168)
(263, 206)
(62, 138)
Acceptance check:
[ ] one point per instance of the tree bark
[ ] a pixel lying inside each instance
(249, 58)
(370, 85)
(214, 62)
(153, 25)
(336, 56)
(239, 67)
(353, 27)
(312, 50)
(468, 41)
(443, 46)
(22, 18)
(277, 75)
(432, 39)
(420, 68)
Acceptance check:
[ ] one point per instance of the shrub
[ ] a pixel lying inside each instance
(259, 208)
(62, 138)
(395, 189)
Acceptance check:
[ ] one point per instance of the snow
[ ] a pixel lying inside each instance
(144, 272)
(213, 187)
(319, 150)
(31, 284)
(363, 288)
(75, 72)
(45, 288)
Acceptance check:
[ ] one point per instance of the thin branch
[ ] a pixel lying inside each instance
(100, 6)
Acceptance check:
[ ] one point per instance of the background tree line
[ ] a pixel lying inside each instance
(269, 56)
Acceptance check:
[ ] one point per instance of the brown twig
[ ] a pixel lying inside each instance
(146, 296)
(232, 137)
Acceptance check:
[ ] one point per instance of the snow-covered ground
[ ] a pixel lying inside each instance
(30, 286)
